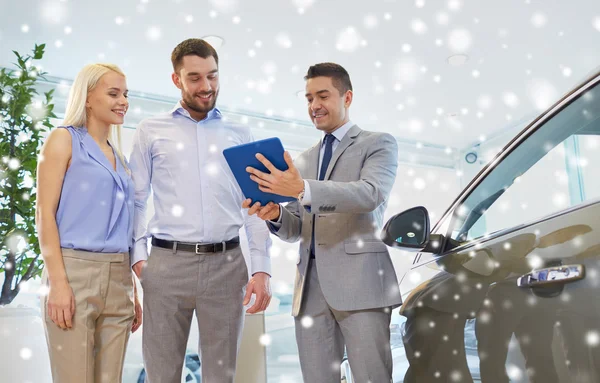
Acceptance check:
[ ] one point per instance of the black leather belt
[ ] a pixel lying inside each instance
(196, 247)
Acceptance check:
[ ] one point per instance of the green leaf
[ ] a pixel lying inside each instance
(38, 51)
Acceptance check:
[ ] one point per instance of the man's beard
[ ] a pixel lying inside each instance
(194, 105)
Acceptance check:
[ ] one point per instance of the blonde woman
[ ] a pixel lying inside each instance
(84, 217)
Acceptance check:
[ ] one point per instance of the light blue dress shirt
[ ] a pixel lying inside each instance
(196, 197)
(95, 210)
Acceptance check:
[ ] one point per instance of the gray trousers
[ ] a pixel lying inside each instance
(212, 284)
(321, 341)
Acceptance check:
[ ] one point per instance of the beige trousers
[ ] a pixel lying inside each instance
(94, 349)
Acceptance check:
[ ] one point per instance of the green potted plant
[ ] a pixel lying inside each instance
(24, 120)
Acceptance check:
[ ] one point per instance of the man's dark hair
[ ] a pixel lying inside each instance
(192, 47)
(339, 76)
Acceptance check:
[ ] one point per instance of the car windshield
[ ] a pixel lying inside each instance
(567, 141)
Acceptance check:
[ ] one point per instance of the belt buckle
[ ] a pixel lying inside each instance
(197, 248)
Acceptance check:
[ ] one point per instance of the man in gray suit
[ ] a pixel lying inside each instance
(345, 283)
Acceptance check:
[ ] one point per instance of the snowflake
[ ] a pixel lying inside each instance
(485, 317)
(291, 254)
(484, 101)
(224, 6)
(460, 40)
(15, 243)
(370, 21)
(13, 164)
(54, 12)
(153, 33)
(283, 40)
(407, 70)
(265, 339)
(454, 5)
(539, 20)
(542, 93)
(303, 4)
(456, 376)
(514, 372)
(419, 184)
(418, 26)
(510, 99)
(415, 277)
(43, 290)
(442, 18)
(177, 210)
(26, 353)
(307, 321)
(596, 23)
(560, 200)
(348, 40)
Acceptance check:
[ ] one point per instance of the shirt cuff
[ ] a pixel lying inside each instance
(306, 199)
(274, 226)
(260, 264)
(139, 251)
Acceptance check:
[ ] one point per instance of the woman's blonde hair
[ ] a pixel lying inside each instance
(76, 112)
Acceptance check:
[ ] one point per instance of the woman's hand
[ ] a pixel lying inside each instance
(61, 304)
(137, 319)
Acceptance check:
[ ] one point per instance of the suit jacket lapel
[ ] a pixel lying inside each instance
(344, 144)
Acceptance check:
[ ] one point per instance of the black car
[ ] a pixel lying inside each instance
(514, 261)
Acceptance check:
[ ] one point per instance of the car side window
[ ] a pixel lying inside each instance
(555, 168)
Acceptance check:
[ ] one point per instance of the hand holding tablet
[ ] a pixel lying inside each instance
(264, 171)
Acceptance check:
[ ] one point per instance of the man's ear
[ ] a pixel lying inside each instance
(176, 80)
(348, 98)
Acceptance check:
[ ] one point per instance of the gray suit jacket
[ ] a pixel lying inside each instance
(354, 267)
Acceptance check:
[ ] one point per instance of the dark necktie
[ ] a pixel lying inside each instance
(329, 138)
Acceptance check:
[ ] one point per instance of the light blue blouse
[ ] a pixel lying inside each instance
(95, 211)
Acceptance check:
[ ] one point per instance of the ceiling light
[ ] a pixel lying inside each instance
(457, 60)
(214, 40)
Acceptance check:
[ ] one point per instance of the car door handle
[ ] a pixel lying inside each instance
(552, 275)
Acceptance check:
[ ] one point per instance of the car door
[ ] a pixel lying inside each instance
(510, 293)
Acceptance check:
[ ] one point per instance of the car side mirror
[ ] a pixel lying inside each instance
(407, 230)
